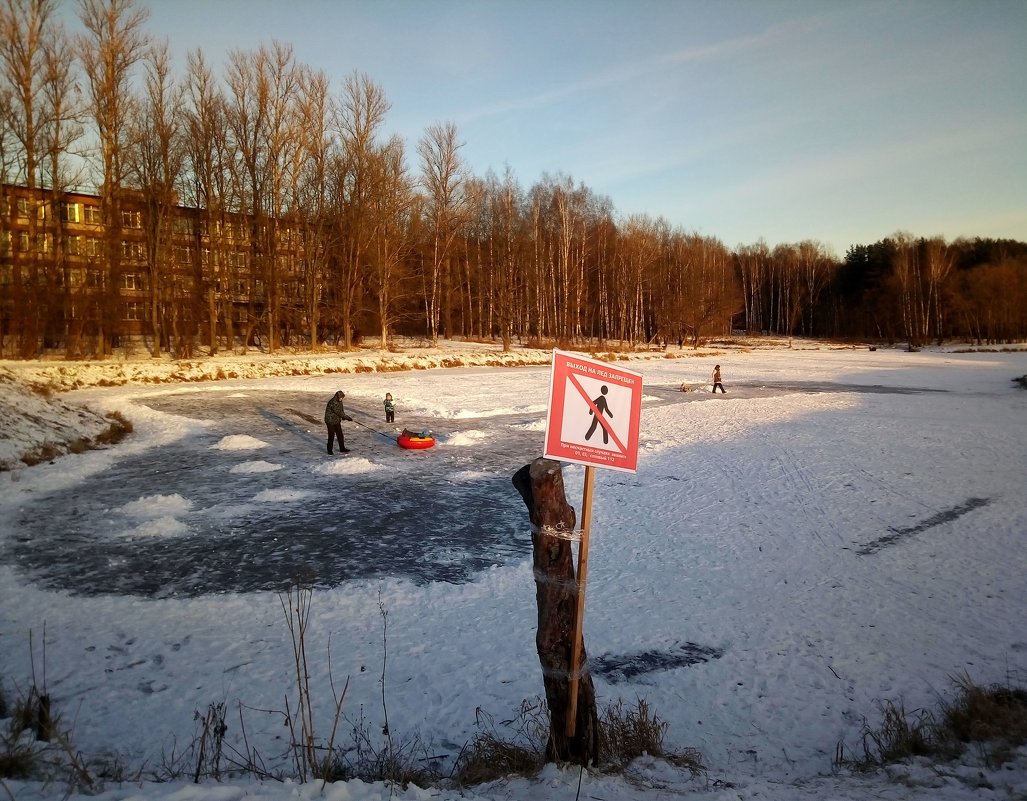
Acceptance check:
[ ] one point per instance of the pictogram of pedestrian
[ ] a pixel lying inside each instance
(604, 408)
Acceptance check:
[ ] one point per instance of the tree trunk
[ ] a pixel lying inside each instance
(556, 589)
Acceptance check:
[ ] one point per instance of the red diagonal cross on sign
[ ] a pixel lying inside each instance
(599, 415)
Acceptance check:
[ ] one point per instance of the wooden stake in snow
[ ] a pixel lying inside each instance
(579, 615)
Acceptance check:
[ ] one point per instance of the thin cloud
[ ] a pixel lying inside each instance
(780, 35)
(634, 70)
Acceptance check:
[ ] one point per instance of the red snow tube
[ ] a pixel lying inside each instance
(416, 440)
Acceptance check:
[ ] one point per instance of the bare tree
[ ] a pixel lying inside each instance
(311, 196)
(156, 155)
(442, 177)
(209, 187)
(507, 244)
(709, 290)
(940, 259)
(906, 274)
(114, 43)
(25, 26)
(392, 208)
(815, 265)
(753, 261)
(63, 128)
(6, 159)
(262, 118)
(362, 110)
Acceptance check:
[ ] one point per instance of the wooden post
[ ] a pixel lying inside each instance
(579, 617)
(556, 592)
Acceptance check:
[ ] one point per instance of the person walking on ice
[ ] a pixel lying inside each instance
(335, 413)
(716, 381)
(604, 408)
(390, 408)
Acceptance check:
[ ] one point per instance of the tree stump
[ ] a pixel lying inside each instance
(556, 591)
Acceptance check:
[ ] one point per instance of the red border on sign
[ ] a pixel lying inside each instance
(564, 417)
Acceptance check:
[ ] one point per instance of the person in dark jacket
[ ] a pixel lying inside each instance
(335, 413)
(390, 408)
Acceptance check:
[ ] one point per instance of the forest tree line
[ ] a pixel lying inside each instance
(392, 241)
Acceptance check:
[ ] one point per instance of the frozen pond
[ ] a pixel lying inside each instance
(255, 503)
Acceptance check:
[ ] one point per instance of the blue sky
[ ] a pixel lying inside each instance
(842, 122)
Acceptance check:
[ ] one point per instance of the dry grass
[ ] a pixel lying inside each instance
(18, 759)
(46, 452)
(625, 733)
(29, 723)
(490, 755)
(117, 430)
(992, 718)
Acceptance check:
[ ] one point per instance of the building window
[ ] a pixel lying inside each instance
(131, 219)
(183, 255)
(6, 274)
(135, 310)
(71, 212)
(23, 208)
(133, 281)
(74, 245)
(132, 250)
(183, 225)
(91, 215)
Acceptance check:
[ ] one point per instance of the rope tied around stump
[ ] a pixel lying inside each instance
(569, 534)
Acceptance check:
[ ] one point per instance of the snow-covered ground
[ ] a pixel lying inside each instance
(843, 527)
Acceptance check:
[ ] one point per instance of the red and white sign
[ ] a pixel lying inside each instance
(594, 412)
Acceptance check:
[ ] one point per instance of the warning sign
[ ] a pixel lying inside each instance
(594, 411)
